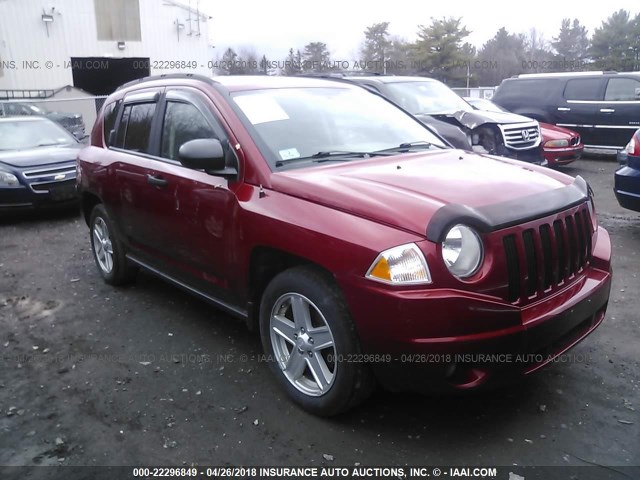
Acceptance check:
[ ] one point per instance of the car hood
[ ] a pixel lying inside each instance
(475, 118)
(38, 156)
(63, 116)
(405, 191)
(451, 133)
(552, 132)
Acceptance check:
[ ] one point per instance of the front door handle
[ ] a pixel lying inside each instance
(607, 110)
(564, 109)
(157, 181)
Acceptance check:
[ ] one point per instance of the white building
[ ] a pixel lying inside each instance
(96, 45)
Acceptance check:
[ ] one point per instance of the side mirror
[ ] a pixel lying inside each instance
(206, 154)
(637, 93)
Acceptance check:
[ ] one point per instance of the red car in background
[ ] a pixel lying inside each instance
(561, 146)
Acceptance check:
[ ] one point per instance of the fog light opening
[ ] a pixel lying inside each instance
(450, 369)
(468, 376)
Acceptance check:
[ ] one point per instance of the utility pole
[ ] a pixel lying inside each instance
(468, 76)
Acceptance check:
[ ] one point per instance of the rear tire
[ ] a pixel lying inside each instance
(311, 342)
(108, 250)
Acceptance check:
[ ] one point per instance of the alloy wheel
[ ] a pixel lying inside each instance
(303, 344)
(102, 245)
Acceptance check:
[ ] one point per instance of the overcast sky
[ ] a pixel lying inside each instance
(272, 27)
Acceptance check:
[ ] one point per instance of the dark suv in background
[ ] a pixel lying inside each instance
(439, 107)
(72, 122)
(604, 107)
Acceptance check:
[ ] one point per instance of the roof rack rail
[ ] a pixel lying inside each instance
(195, 76)
(564, 74)
(328, 74)
(343, 73)
(365, 73)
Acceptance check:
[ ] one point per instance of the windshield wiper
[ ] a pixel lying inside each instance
(47, 144)
(405, 147)
(331, 156)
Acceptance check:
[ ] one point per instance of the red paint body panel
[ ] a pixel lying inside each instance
(207, 230)
(560, 155)
(408, 196)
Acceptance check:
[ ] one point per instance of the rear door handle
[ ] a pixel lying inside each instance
(564, 109)
(607, 110)
(157, 181)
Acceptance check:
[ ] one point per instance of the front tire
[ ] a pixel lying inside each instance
(108, 251)
(311, 342)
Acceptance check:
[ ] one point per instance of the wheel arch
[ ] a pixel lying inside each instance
(265, 264)
(88, 202)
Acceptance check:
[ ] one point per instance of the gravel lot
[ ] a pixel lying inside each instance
(92, 375)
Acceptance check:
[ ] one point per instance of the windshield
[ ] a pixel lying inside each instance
(23, 135)
(429, 98)
(36, 110)
(293, 124)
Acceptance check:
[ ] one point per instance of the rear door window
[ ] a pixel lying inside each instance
(622, 89)
(110, 117)
(135, 127)
(583, 89)
(122, 129)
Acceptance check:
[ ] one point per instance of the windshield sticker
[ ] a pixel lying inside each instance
(289, 153)
(261, 109)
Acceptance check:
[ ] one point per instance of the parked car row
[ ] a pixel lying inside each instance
(561, 146)
(463, 126)
(477, 124)
(345, 231)
(603, 107)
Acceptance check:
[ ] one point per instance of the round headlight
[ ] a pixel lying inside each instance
(462, 251)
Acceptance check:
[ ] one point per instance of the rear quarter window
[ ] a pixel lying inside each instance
(623, 89)
(134, 129)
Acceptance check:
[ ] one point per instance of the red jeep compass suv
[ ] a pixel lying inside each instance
(344, 230)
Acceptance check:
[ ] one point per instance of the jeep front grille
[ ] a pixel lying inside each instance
(547, 255)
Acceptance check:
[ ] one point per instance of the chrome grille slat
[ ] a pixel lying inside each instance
(513, 136)
(547, 256)
(50, 171)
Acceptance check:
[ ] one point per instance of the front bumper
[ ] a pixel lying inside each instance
(432, 339)
(532, 155)
(20, 198)
(562, 156)
(627, 184)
